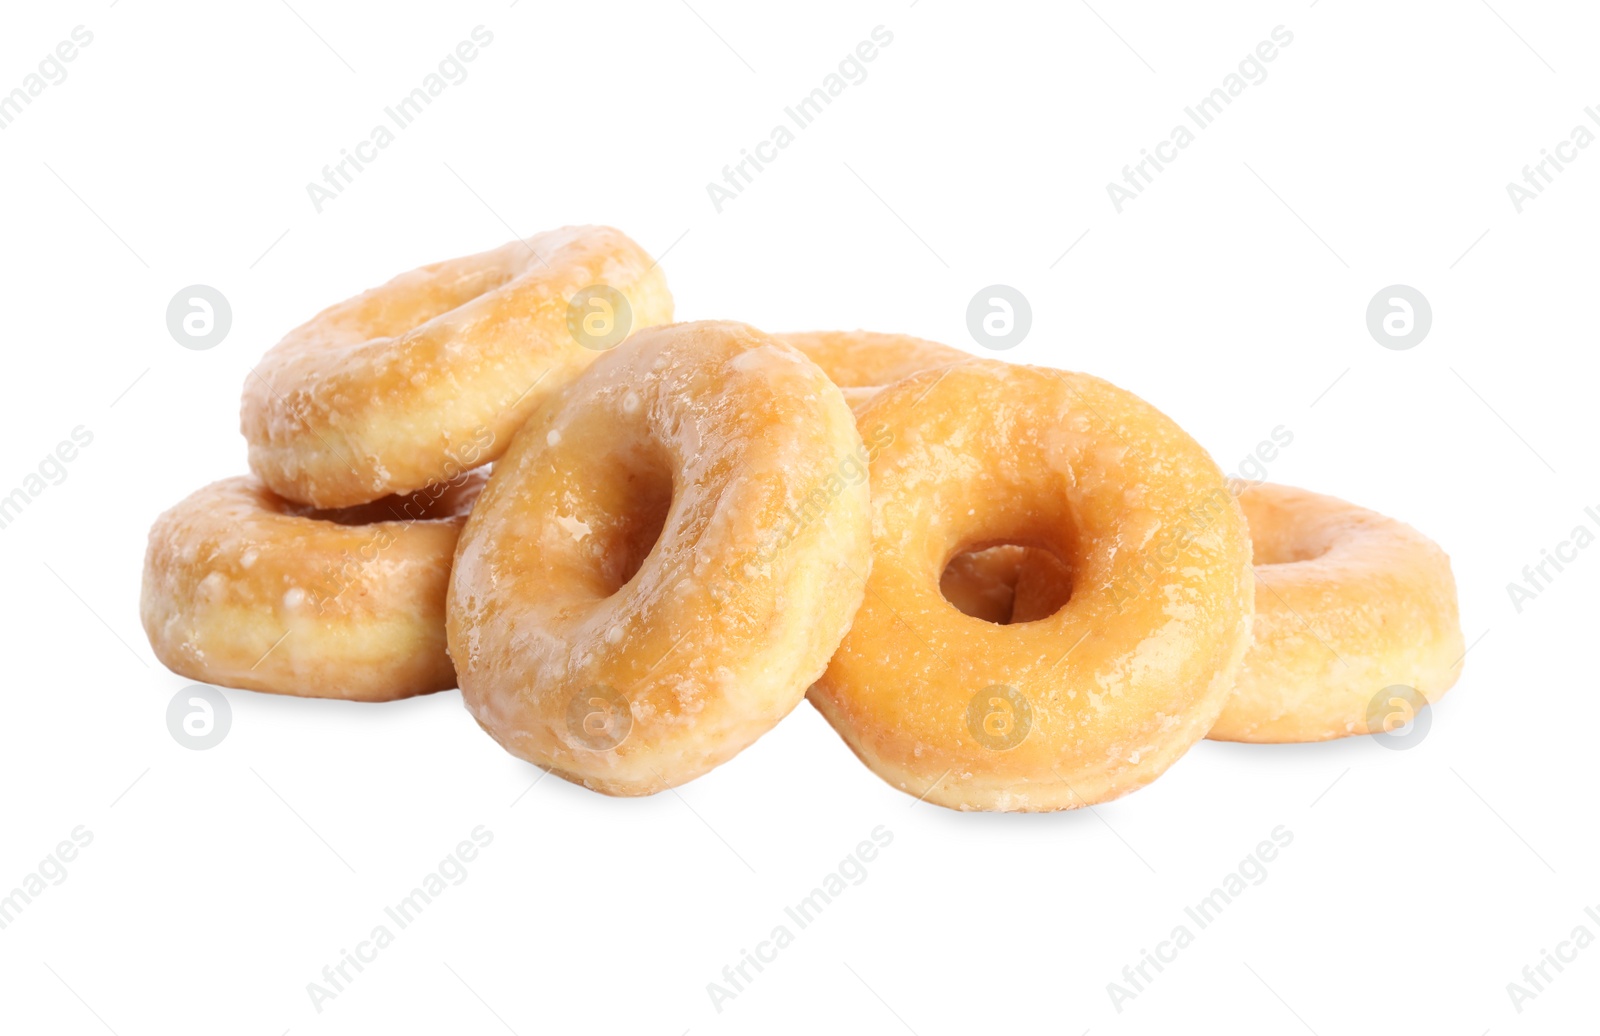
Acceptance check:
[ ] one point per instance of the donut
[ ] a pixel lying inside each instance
(862, 363)
(385, 392)
(245, 589)
(1084, 704)
(665, 558)
(1353, 609)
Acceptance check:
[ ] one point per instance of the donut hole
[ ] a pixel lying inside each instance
(1012, 545)
(635, 518)
(418, 298)
(1282, 532)
(1280, 549)
(440, 501)
(1007, 583)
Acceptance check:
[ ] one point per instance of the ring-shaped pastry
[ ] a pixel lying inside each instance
(1076, 707)
(1356, 626)
(245, 589)
(664, 560)
(388, 391)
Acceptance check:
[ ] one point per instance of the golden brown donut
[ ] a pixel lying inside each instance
(1085, 704)
(245, 589)
(862, 363)
(1351, 605)
(664, 559)
(385, 392)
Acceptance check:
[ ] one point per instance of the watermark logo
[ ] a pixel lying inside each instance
(1251, 71)
(199, 317)
(737, 977)
(1537, 977)
(1397, 717)
(599, 317)
(1399, 317)
(352, 568)
(1146, 568)
(199, 717)
(600, 717)
(336, 978)
(1137, 976)
(1252, 468)
(52, 71)
(51, 471)
(52, 870)
(999, 317)
(749, 565)
(851, 71)
(1538, 576)
(999, 717)
(1552, 162)
(451, 71)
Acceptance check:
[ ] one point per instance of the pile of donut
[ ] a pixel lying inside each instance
(1007, 587)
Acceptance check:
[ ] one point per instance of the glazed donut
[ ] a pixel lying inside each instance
(1353, 609)
(385, 392)
(862, 363)
(1085, 704)
(245, 589)
(665, 558)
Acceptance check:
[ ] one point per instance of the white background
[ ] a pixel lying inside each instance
(1231, 294)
